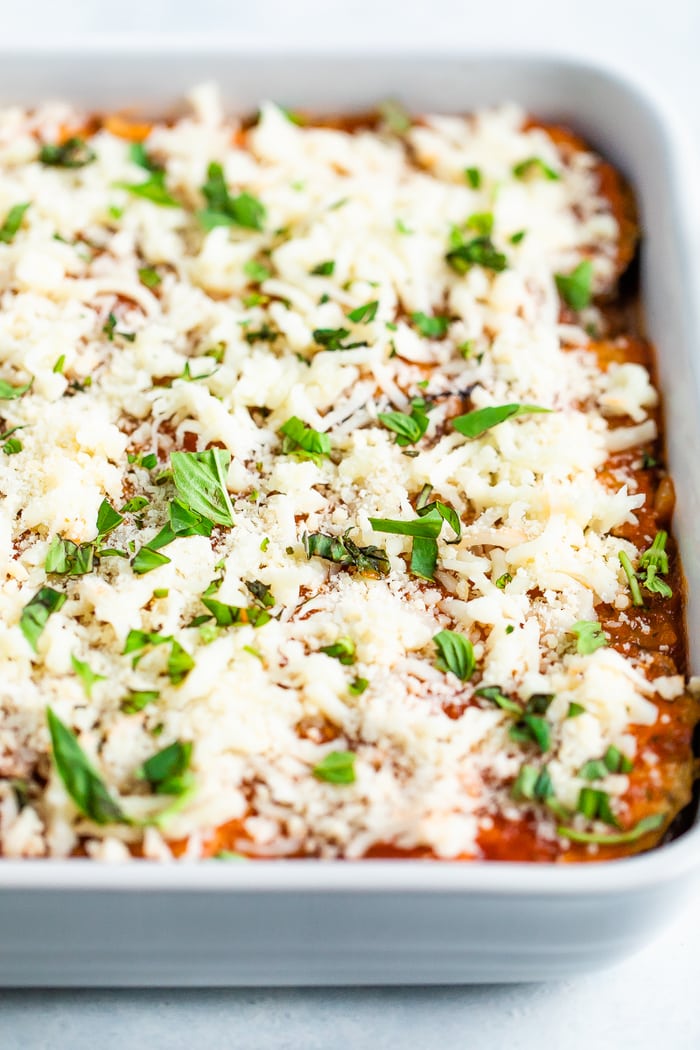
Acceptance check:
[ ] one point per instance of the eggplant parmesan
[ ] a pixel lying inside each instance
(333, 512)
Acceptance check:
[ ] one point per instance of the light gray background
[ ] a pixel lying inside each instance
(648, 1002)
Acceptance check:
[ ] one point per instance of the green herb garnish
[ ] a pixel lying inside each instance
(136, 701)
(36, 612)
(364, 314)
(589, 636)
(341, 550)
(476, 423)
(200, 480)
(343, 650)
(153, 190)
(223, 209)
(65, 558)
(532, 784)
(473, 177)
(653, 563)
(150, 277)
(87, 676)
(575, 287)
(643, 827)
(11, 393)
(324, 269)
(12, 223)
(73, 153)
(478, 252)
(337, 767)
(534, 166)
(303, 441)
(632, 580)
(495, 695)
(408, 428)
(455, 654)
(82, 782)
(167, 770)
(395, 116)
(430, 327)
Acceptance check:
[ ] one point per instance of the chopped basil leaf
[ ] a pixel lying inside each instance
(135, 504)
(456, 654)
(65, 558)
(303, 441)
(11, 393)
(444, 511)
(136, 701)
(332, 339)
(532, 729)
(235, 615)
(595, 805)
(516, 238)
(150, 277)
(12, 223)
(424, 556)
(166, 770)
(534, 166)
(401, 227)
(87, 676)
(12, 446)
(109, 330)
(256, 271)
(428, 526)
(146, 560)
(430, 327)
(575, 287)
(494, 694)
(161, 592)
(136, 640)
(478, 252)
(408, 428)
(200, 479)
(631, 579)
(643, 827)
(532, 784)
(481, 222)
(82, 782)
(589, 636)
(73, 153)
(343, 650)
(595, 769)
(616, 761)
(395, 116)
(261, 592)
(364, 314)
(180, 663)
(476, 423)
(341, 550)
(153, 190)
(36, 612)
(139, 156)
(324, 269)
(653, 563)
(473, 177)
(575, 710)
(59, 365)
(223, 209)
(358, 686)
(337, 767)
(503, 580)
(227, 854)
(107, 518)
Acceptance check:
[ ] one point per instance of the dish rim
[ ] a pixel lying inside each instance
(665, 863)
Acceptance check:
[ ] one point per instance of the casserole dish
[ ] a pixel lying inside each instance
(291, 923)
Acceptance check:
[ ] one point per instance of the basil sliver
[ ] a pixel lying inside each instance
(81, 780)
(476, 423)
(200, 479)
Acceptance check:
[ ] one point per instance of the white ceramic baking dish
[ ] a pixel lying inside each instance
(306, 922)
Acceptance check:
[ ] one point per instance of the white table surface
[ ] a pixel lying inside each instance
(651, 1000)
